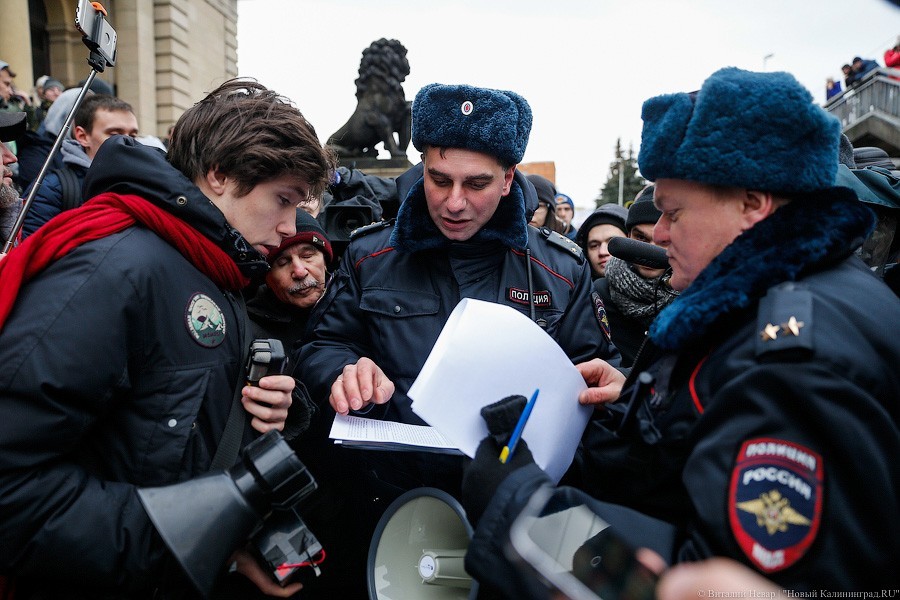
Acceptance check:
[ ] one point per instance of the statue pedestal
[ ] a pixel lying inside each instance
(380, 167)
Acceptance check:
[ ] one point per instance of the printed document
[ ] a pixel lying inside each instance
(374, 434)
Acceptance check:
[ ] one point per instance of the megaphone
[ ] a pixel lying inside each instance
(204, 520)
(418, 549)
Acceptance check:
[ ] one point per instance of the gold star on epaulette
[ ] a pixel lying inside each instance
(792, 326)
(769, 332)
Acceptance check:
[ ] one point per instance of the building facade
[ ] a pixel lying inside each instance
(169, 53)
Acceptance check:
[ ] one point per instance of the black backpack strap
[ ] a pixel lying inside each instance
(70, 186)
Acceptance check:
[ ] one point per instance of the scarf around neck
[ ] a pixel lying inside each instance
(636, 297)
(98, 218)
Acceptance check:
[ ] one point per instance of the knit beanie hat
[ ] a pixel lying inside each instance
(494, 122)
(642, 210)
(563, 199)
(53, 83)
(752, 130)
(308, 231)
(610, 214)
(12, 125)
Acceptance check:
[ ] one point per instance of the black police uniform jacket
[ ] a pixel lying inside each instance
(118, 366)
(771, 432)
(397, 285)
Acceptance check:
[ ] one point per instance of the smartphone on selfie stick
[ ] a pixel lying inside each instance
(100, 38)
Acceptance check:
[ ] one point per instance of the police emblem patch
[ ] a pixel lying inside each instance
(775, 501)
(205, 321)
(600, 313)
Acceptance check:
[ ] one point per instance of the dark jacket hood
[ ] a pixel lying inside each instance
(125, 166)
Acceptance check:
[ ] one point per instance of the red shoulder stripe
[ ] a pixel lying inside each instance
(382, 251)
(693, 387)
(546, 268)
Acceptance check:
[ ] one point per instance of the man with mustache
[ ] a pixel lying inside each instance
(281, 308)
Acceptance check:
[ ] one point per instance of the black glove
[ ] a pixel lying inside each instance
(485, 473)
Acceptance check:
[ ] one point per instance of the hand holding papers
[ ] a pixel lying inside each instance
(488, 351)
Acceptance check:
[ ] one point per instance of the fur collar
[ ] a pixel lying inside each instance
(800, 237)
(415, 231)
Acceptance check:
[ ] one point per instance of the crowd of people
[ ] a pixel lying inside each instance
(744, 392)
(857, 71)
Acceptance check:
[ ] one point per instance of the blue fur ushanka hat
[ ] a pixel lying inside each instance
(494, 122)
(742, 129)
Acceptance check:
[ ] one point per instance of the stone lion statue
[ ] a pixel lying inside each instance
(381, 109)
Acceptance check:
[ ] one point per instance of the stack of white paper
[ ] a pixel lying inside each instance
(486, 352)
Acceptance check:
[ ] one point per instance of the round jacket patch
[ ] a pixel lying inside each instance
(205, 321)
(775, 501)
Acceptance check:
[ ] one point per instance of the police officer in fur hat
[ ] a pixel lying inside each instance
(771, 433)
(461, 232)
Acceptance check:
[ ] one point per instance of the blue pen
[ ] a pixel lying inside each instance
(510, 447)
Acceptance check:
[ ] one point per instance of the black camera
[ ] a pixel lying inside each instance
(284, 544)
(203, 520)
(339, 221)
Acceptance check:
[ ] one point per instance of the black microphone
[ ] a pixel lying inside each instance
(641, 253)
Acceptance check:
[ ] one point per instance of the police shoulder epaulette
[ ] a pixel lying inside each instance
(560, 241)
(367, 229)
(784, 320)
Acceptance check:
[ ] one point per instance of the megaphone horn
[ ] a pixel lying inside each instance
(202, 521)
(419, 547)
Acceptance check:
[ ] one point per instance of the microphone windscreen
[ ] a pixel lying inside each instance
(640, 253)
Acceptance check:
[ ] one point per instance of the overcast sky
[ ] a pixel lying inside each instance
(585, 66)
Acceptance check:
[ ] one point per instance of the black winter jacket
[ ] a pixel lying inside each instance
(118, 365)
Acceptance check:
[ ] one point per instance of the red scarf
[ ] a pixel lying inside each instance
(105, 215)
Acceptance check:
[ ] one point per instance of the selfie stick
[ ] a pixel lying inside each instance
(98, 64)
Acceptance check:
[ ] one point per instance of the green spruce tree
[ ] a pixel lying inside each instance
(631, 181)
